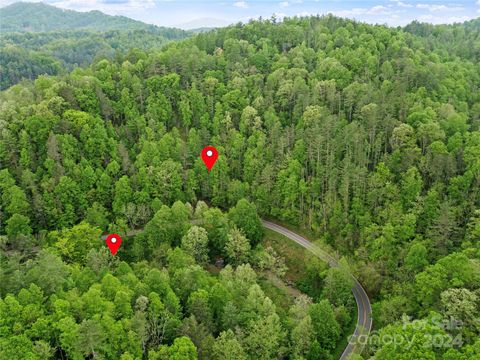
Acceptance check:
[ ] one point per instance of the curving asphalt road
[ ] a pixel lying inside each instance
(364, 318)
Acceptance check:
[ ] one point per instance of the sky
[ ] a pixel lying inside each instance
(189, 14)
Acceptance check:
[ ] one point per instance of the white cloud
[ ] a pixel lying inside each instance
(392, 12)
(346, 13)
(106, 6)
(429, 18)
(241, 4)
(404, 5)
(457, 19)
(379, 9)
(375, 10)
(251, 17)
(431, 7)
(426, 18)
(435, 7)
(305, 13)
(196, 23)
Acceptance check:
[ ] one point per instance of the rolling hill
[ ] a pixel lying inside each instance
(37, 39)
(40, 17)
(363, 138)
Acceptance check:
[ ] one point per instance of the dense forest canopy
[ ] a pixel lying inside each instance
(452, 40)
(40, 17)
(56, 41)
(367, 136)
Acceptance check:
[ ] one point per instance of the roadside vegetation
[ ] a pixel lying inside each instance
(366, 136)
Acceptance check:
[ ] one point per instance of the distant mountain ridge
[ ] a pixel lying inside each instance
(40, 17)
(37, 39)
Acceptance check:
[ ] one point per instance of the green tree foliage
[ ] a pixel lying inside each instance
(216, 224)
(228, 347)
(302, 336)
(365, 136)
(39, 39)
(237, 247)
(18, 225)
(338, 287)
(244, 216)
(417, 342)
(195, 243)
(181, 349)
(326, 328)
(74, 244)
(265, 337)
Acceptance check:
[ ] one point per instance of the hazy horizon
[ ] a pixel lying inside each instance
(190, 14)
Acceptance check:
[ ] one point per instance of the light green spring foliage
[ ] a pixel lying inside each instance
(366, 135)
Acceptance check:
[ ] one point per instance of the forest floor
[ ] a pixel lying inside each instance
(293, 254)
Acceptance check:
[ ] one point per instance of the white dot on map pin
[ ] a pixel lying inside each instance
(113, 242)
(209, 156)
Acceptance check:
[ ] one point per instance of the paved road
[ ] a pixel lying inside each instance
(364, 318)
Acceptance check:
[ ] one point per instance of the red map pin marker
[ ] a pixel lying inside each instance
(113, 242)
(209, 156)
